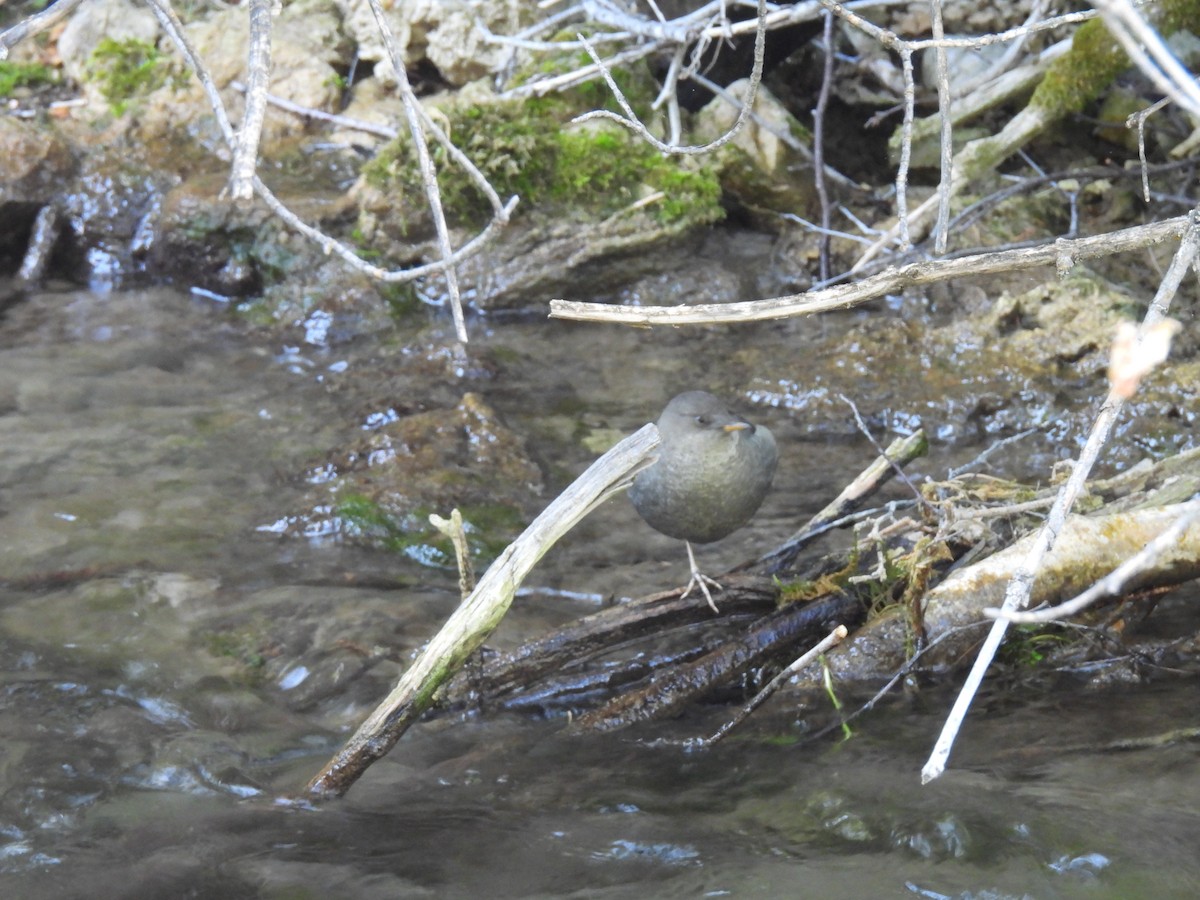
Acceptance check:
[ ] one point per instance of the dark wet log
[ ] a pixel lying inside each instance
(675, 649)
(783, 630)
(606, 631)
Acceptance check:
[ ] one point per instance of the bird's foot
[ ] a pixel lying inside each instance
(699, 579)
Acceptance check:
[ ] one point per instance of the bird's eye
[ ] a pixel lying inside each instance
(703, 420)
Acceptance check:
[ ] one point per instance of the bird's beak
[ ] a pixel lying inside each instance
(739, 426)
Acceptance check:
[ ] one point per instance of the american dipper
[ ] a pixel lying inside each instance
(712, 472)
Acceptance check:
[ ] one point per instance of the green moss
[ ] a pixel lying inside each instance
(1095, 59)
(1027, 646)
(688, 192)
(525, 149)
(401, 299)
(245, 648)
(126, 70)
(15, 74)
(490, 528)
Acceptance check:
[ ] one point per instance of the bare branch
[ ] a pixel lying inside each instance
(35, 24)
(481, 612)
(946, 142)
(832, 639)
(1150, 53)
(631, 121)
(1061, 253)
(819, 146)
(1018, 592)
(258, 66)
(308, 112)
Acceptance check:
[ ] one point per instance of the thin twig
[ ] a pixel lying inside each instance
(1019, 588)
(819, 146)
(35, 24)
(633, 123)
(433, 194)
(983, 457)
(946, 139)
(258, 67)
(1114, 583)
(834, 638)
(1149, 52)
(1060, 253)
(309, 112)
(882, 469)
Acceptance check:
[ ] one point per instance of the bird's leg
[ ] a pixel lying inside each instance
(699, 578)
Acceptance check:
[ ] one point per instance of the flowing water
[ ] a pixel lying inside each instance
(183, 644)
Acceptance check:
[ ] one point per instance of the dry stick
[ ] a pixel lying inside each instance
(1017, 594)
(569, 79)
(779, 131)
(309, 112)
(906, 131)
(477, 616)
(1138, 120)
(866, 432)
(42, 237)
(433, 194)
(35, 24)
(631, 121)
(454, 530)
(899, 453)
(1150, 53)
(834, 638)
(174, 28)
(1061, 253)
(910, 664)
(258, 65)
(946, 139)
(1114, 582)
(819, 146)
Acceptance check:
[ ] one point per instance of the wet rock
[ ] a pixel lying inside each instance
(34, 162)
(443, 32)
(758, 167)
(443, 458)
(204, 238)
(109, 207)
(976, 377)
(382, 490)
(114, 20)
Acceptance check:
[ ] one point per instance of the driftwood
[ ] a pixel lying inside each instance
(649, 658)
(1144, 502)
(560, 672)
(481, 612)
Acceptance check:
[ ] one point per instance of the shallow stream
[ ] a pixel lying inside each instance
(176, 653)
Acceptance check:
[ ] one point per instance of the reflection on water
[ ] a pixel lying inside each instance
(172, 667)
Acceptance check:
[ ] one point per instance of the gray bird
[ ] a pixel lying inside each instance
(712, 473)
